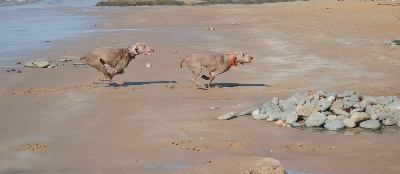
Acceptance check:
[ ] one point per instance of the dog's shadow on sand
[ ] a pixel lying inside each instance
(229, 85)
(110, 84)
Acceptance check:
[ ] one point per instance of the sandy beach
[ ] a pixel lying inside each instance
(64, 120)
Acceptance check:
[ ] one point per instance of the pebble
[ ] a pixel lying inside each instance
(148, 65)
(227, 116)
(371, 125)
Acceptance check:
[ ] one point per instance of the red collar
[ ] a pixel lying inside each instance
(231, 60)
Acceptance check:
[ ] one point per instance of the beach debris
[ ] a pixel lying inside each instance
(80, 63)
(330, 110)
(227, 116)
(213, 108)
(39, 64)
(65, 60)
(235, 23)
(10, 70)
(211, 28)
(148, 65)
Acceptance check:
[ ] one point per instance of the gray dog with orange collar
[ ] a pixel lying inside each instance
(216, 63)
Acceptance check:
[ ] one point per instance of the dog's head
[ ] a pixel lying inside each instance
(241, 57)
(140, 48)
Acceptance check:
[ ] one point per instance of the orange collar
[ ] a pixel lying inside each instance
(231, 60)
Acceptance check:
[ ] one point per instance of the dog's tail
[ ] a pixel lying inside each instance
(183, 60)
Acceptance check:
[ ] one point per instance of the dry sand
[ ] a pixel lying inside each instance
(63, 120)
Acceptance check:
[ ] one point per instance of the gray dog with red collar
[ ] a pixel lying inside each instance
(216, 63)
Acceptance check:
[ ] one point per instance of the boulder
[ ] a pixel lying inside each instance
(371, 125)
(334, 125)
(291, 118)
(249, 111)
(348, 122)
(360, 116)
(307, 111)
(315, 120)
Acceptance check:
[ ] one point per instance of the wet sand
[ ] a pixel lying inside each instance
(63, 120)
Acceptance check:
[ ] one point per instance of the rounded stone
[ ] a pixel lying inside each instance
(335, 125)
(370, 125)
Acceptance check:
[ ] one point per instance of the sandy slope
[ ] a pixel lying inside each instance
(158, 122)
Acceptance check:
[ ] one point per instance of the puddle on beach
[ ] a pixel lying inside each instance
(31, 25)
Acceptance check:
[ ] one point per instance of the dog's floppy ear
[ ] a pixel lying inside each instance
(133, 49)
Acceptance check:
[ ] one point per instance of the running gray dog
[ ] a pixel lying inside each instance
(216, 63)
(117, 58)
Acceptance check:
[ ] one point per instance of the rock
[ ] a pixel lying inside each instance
(269, 119)
(338, 104)
(287, 105)
(347, 104)
(348, 122)
(374, 117)
(370, 110)
(261, 166)
(249, 111)
(62, 60)
(392, 107)
(383, 100)
(227, 116)
(370, 125)
(339, 111)
(389, 122)
(384, 115)
(256, 112)
(279, 122)
(397, 41)
(346, 94)
(260, 117)
(360, 116)
(315, 120)
(275, 100)
(331, 117)
(38, 64)
(295, 124)
(357, 110)
(307, 111)
(335, 125)
(212, 108)
(211, 28)
(331, 98)
(269, 107)
(291, 118)
(148, 65)
(398, 123)
(325, 107)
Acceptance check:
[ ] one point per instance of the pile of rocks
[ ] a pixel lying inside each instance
(331, 110)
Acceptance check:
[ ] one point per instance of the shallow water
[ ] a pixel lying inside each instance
(27, 26)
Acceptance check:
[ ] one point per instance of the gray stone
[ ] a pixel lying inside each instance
(62, 60)
(370, 110)
(335, 125)
(255, 112)
(396, 115)
(295, 124)
(392, 107)
(227, 116)
(364, 103)
(384, 115)
(249, 111)
(315, 120)
(383, 100)
(346, 94)
(307, 111)
(322, 93)
(331, 117)
(360, 116)
(284, 115)
(341, 117)
(371, 125)
(269, 107)
(339, 111)
(80, 63)
(37, 64)
(389, 122)
(347, 104)
(299, 98)
(324, 107)
(374, 117)
(291, 118)
(260, 117)
(371, 99)
(269, 119)
(287, 105)
(338, 104)
(348, 122)
(357, 110)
